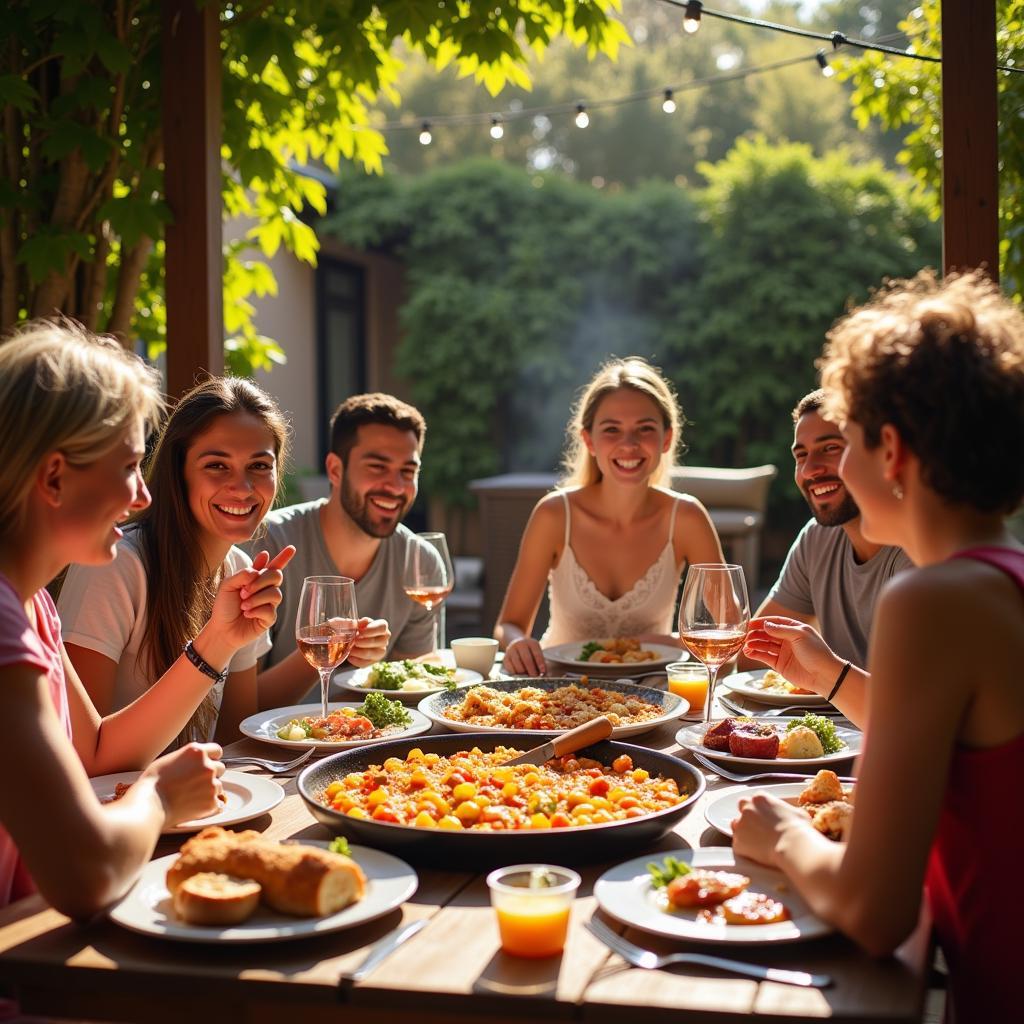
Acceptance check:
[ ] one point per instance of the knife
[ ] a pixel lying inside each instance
(383, 949)
(596, 729)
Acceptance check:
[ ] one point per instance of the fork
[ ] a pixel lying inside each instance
(640, 957)
(713, 766)
(738, 709)
(274, 767)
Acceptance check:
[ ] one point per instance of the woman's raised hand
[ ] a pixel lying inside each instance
(188, 781)
(371, 644)
(793, 649)
(246, 603)
(523, 657)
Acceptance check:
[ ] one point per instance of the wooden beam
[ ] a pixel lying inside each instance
(970, 151)
(191, 106)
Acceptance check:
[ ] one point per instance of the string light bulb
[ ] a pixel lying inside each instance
(425, 137)
(669, 105)
(826, 69)
(691, 19)
(582, 117)
(497, 128)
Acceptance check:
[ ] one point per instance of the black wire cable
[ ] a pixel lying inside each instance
(837, 39)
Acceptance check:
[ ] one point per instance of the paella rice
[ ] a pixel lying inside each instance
(477, 790)
(531, 707)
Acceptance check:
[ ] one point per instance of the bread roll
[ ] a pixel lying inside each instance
(302, 880)
(214, 899)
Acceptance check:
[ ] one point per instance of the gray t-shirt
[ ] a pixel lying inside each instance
(821, 577)
(379, 593)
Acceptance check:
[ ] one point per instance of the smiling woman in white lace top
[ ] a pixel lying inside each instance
(613, 543)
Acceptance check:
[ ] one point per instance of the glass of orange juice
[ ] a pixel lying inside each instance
(689, 680)
(532, 902)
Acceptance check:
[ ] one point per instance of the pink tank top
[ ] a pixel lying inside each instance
(579, 611)
(40, 649)
(975, 864)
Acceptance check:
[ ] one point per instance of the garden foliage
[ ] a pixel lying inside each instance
(519, 285)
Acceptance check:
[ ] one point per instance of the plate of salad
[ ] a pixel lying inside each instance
(618, 656)
(345, 725)
(408, 681)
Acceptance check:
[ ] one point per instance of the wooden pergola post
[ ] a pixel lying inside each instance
(191, 106)
(970, 149)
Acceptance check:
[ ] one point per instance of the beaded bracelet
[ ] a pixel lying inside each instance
(839, 681)
(203, 665)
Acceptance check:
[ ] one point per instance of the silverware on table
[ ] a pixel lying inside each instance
(798, 709)
(714, 766)
(275, 767)
(383, 949)
(640, 957)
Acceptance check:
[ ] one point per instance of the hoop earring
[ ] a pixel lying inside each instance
(897, 491)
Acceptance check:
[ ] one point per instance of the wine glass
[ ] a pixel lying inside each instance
(326, 625)
(713, 617)
(429, 576)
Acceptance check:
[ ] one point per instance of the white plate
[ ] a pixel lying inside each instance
(567, 655)
(721, 812)
(746, 685)
(264, 726)
(147, 907)
(672, 706)
(356, 682)
(626, 893)
(691, 737)
(248, 796)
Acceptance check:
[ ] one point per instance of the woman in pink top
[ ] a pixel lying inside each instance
(73, 413)
(612, 545)
(928, 382)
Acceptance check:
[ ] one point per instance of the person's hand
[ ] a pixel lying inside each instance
(371, 643)
(246, 603)
(523, 657)
(762, 821)
(188, 781)
(793, 649)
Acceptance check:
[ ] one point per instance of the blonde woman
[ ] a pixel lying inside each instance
(74, 410)
(927, 383)
(612, 542)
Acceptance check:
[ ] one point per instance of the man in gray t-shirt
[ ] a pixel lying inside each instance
(373, 469)
(832, 575)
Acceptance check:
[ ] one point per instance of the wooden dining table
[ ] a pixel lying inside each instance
(453, 970)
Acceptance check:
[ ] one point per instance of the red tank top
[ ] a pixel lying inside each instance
(974, 869)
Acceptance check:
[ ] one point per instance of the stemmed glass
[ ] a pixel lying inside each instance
(326, 625)
(429, 576)
(713, 616)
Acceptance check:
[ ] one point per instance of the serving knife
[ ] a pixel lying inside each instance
(595, 730)
(383, 949)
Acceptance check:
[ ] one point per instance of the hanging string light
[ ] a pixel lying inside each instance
(582, 117)
(826, 69)
(497, 128)
(669, 104)
(425, 137)
(691, 19)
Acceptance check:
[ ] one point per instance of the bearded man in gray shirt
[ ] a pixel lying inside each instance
(832, 576)
(373, 468)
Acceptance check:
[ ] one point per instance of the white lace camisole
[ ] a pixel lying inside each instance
(579, 611)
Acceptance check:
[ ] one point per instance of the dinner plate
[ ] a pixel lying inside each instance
(721, 811)
(691, 737)
(147, 907)
(264, 726)
(356, 682)
(567, 656)
(672, 707)
(627, 894)
(747, 684)
(247, 797)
